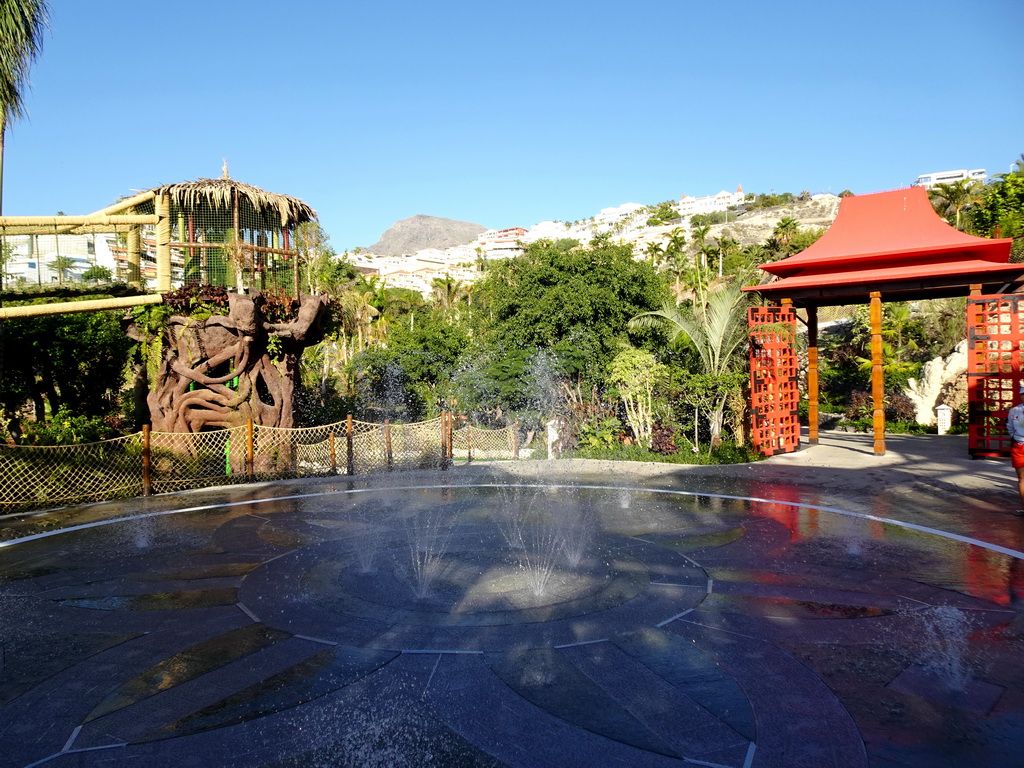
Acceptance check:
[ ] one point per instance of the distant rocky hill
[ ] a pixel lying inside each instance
(418, 232)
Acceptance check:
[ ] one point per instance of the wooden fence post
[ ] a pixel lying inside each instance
(350, 446)
(387, 445)
(515, 439)
(250, 448)
(469, 446)
(451, 437)
(147, 465)
(444, 440)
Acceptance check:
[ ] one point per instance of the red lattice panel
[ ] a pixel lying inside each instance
(995, 339)
(774, 383)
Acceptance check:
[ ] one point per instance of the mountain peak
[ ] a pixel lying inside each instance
(422, 231)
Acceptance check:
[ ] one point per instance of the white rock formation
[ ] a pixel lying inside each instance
(937, 376)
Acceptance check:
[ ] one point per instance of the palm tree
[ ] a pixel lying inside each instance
(950, 200)
(357, 313)
(699, 244)
(785, 230)
(654, 251)
(714, 326)
(447, 292)
(726, 247)
(62, 265)
(22, 23)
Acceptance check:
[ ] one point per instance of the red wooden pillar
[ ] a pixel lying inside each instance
(877, 378)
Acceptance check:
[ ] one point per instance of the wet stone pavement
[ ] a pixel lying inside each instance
(537, 614)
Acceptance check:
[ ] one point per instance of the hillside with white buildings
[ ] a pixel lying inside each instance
(626, 223)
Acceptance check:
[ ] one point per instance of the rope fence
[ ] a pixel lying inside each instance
(33, 477)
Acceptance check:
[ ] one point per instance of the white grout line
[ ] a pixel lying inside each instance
(582, 642)
(437, 663)
(315, 640)
(750, 755)
(71, 738)
(677, 616)
(695, 761)
(248, 613)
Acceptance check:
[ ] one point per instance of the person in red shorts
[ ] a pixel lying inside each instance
(1015, 426)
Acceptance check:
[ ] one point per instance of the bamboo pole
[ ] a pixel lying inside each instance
(387, 445)
(133, 245)
(163, 244)
(67, 307)
(49, 223)
(128, 202)
(877, 378)
(333, 453)
(812, 375)
(515, 439)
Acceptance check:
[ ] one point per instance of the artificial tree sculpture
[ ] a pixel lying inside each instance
(226, 357)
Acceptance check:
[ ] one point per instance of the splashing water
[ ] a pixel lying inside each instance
(534, 544)
(944, 632)
(429, 532)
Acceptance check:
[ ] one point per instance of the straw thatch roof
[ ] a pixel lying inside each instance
(221, 194)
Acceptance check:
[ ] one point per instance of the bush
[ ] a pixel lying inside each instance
(663, 440)
(899, 407)
(66, 429)
(726, 453)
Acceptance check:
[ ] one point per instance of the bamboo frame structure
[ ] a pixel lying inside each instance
(90, 305)
(153, 209)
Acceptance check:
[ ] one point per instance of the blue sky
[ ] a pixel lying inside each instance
(506, 114)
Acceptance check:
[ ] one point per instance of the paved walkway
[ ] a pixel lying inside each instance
(569, 613)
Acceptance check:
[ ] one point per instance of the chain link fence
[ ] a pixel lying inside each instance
(34, 477)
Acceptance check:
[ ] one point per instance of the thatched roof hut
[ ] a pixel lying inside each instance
(224, 194)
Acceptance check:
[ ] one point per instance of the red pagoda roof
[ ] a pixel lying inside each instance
(890, 242)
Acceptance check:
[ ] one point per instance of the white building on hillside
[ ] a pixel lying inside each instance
(929, 180)
(546, 230)
(500, 243)
(609, 217)
(688, 206)
(34, 257)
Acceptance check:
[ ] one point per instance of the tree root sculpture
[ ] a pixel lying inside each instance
(223, 370)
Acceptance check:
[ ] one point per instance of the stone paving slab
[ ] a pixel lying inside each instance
(775, 614)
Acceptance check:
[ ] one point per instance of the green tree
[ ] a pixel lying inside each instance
(951, 200)
(62, 265)
(1002, 207)
(98, 274)
(448, 293)
(571, 299)
(637, 375)
(6, 257)
(713, 327)
(315, 255)
(785, 230)
(22, 23)
(73, 360)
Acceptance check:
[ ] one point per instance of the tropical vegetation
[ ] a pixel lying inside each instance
(638, 354)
